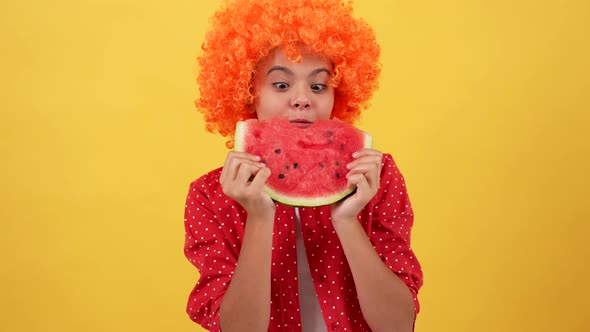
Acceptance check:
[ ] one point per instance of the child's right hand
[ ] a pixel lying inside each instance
(242, 179)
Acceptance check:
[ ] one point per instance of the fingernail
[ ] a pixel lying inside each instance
(257, 158)
(349, 165)
(355, 155)
(262, 164)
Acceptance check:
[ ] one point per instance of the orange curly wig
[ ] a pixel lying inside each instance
(245, 31)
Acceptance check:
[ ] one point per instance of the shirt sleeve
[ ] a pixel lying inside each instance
(392, 221)
(206, 248)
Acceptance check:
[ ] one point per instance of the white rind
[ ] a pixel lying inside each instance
(239, 138)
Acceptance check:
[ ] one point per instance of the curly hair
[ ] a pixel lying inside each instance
(245, 31)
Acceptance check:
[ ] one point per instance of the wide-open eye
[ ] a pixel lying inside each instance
(318, 87)
(280, 85)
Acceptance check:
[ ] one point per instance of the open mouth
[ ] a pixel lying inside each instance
(301, 123)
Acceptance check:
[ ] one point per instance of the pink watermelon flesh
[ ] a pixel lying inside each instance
(308, 165)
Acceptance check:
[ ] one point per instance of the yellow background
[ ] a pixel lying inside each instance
(484, 104)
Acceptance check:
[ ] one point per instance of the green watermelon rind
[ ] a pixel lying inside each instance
(241, 129)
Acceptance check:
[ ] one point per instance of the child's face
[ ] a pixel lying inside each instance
(296, 91)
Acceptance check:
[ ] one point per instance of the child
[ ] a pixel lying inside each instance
(268, 267)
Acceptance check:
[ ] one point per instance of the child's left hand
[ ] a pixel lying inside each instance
(364, 173)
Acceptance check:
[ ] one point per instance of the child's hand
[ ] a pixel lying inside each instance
(364, 173)
(242, 179)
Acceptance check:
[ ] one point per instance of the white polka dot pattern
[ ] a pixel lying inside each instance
(214, 227)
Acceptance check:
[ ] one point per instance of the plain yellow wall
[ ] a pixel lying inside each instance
(484, 104)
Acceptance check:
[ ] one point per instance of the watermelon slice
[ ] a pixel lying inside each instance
(308, 165)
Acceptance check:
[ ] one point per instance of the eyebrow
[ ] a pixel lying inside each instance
(289, 72)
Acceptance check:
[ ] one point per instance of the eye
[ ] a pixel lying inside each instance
(318, 87)
(280, 85)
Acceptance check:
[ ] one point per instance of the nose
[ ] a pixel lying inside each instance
(300, 100)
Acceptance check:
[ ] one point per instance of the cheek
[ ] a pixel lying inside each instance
(268, 106)
(269, 102)
(327, 105)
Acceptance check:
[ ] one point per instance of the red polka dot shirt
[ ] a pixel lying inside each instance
(215, 225)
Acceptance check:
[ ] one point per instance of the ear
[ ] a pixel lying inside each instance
(252, 99)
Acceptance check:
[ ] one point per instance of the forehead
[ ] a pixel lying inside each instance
(309, 61)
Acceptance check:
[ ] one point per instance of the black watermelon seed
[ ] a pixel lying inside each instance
(295, 165)
(337, 163)
(338, 175)
(287, 167)
(328, 133)
(281, 176)
(278, 151)
(322, 165)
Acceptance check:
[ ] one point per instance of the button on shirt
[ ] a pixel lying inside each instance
(215, 223)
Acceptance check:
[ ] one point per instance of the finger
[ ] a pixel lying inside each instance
(260, 179)
(362, 186)
(232, 156)
(377, 159)
(374, 161)
(361, 182)
(369, 171)
(365, 165)
(244, 155)
(234, 165)
(366, 152)
(246, 170)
